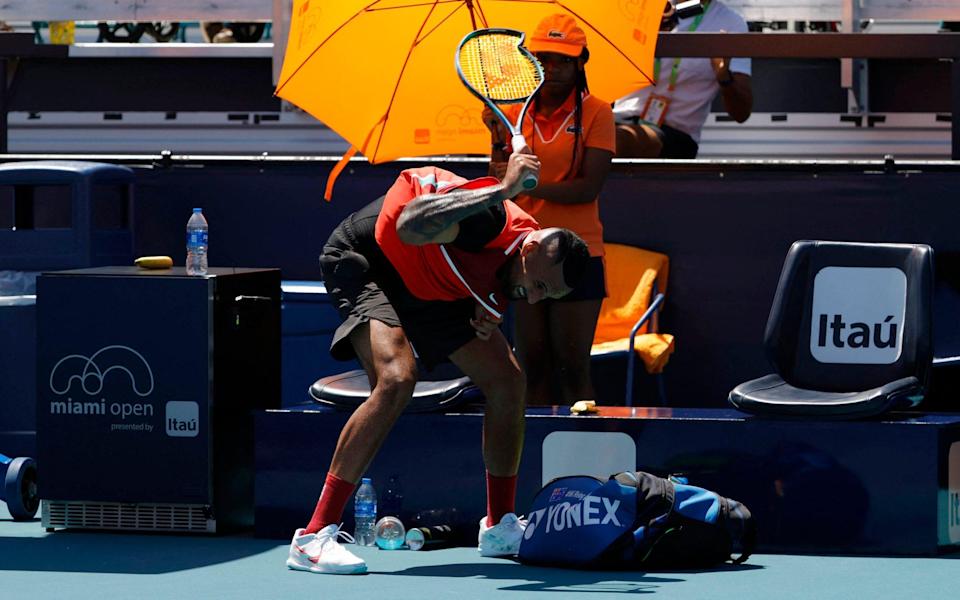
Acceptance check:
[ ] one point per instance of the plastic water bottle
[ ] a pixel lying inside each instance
(197, 244)
(365, 514)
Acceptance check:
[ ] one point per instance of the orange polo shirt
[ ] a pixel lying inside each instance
(551, 138)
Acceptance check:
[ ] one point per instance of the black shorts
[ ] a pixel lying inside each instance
(593, 286)
(365, 286)
(676, 144)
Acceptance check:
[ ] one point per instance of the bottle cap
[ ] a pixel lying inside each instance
(415, 539)
(196, 210)
(365, 480)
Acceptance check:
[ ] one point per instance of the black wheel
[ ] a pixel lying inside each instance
(20, 489)
(247, 33)
(129, 33)
(163, 31)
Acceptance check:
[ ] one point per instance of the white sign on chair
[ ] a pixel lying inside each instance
(858, 315)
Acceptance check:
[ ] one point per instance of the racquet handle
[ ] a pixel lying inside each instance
(519, 143)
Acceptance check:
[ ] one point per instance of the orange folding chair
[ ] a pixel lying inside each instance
(636, 282)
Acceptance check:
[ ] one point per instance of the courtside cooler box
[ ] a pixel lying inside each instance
(146, 384)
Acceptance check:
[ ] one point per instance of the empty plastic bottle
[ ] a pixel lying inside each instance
(390, 533)
(197, 243)
(365, 513)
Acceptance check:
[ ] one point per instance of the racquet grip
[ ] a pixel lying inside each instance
(519, 143)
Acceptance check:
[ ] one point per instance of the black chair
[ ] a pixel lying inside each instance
(440, 390)
(849, 333)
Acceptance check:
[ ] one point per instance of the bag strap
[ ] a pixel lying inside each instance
(749, 542)
(748, 537)
(655, 525)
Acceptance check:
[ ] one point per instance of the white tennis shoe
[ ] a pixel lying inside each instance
(322, 552)
(503, 539)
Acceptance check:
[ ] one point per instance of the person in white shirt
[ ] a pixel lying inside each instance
(664, 120)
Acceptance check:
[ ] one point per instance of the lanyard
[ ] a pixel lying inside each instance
(676, 62)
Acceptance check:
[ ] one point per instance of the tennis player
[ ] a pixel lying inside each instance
(432, 265)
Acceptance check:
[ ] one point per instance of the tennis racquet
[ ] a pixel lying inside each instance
(496, 68)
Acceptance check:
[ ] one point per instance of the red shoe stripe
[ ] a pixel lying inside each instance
(313, 559)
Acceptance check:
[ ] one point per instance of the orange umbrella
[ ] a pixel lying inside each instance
(381, 73)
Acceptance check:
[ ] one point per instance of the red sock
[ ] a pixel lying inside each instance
(333, 499)
(500, 497)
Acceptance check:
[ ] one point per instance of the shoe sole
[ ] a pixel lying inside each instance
(495, 554)
(493, 550)
(294, 565)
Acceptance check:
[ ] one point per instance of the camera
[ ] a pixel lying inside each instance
(674, 10)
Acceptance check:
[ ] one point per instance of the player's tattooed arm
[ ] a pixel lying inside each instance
(434, 218)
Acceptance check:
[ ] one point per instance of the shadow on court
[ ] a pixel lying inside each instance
(75, 552)
(525, 578)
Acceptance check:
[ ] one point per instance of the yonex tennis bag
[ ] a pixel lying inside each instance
(634, 520)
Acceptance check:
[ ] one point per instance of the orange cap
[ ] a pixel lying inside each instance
(560, 34)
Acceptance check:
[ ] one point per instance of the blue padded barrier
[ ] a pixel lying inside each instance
(887, 486)
(307, 323)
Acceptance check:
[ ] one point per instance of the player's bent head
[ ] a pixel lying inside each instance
(570, 251)
(551, 262)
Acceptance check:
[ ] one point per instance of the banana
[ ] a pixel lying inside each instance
(582, 407)
(154, 262)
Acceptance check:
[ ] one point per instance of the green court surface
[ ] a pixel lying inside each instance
(80, 565)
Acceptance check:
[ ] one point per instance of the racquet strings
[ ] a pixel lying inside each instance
(494, 66)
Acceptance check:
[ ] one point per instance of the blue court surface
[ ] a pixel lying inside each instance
(80, 565)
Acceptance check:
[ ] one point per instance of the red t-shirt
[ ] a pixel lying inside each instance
(444, 271)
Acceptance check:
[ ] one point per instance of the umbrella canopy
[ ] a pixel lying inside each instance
(381, 73)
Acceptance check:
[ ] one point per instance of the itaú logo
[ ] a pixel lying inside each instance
(858, 315)
(182, 419)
